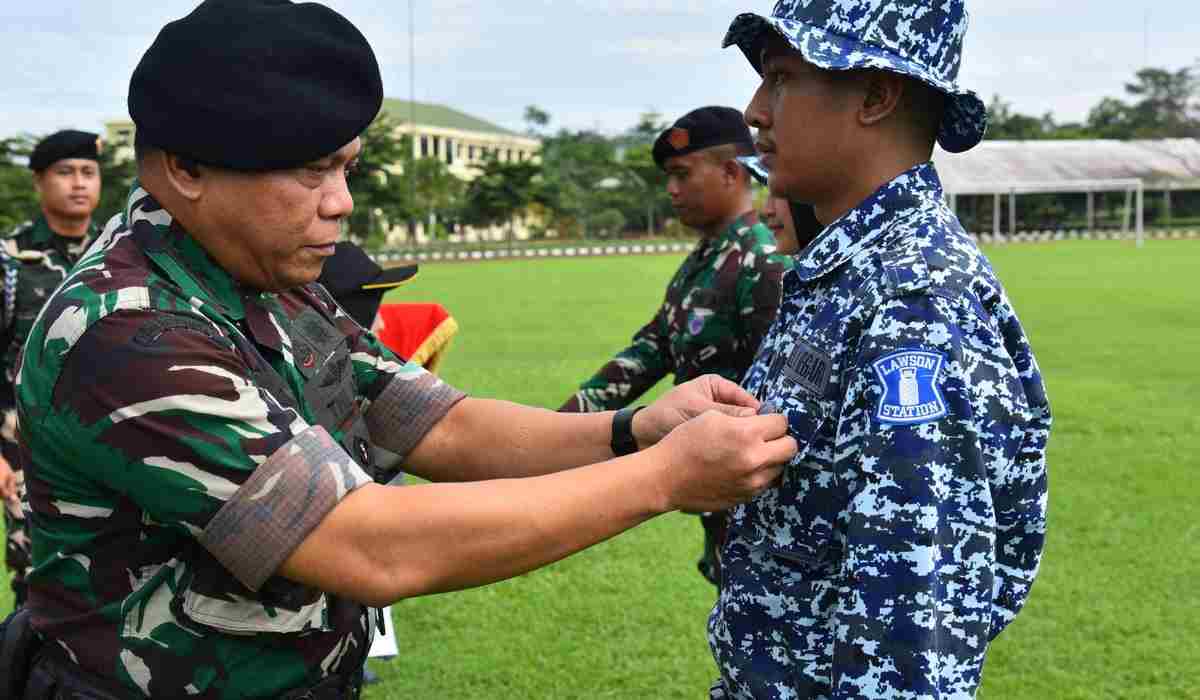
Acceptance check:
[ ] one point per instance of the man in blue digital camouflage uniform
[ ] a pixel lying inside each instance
(907, 532)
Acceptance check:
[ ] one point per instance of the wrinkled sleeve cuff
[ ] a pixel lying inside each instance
(285, 498)
(408, 408)
(1009, 594)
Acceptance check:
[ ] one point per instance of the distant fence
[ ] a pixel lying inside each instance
(541, 251)
(609, 249)
(1084, 235)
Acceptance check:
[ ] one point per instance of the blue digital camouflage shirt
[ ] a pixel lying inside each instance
(906, 533)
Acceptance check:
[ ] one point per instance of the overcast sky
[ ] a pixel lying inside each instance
(589, 63)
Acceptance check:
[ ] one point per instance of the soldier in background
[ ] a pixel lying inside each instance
(35, 258)
(907, 532)
(196, 414)
(722, 298)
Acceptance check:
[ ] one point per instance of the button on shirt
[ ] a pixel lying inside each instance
(908, 530)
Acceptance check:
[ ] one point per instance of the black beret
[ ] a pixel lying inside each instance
(358, 283)
(255, 85)
(702, 128)
(64, 144)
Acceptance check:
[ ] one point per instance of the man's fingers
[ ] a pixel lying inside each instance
(768, 427)
(780, 451)
(734, 411)
(727, 392)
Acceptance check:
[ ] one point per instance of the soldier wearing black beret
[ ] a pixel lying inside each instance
(35, 257)
(198, 415)
(721, 301)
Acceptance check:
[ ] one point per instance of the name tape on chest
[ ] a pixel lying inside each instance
(808, 367)
(908, 381)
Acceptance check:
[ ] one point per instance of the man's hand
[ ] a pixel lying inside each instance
(717, 461)
(686, 401)
(8, 483)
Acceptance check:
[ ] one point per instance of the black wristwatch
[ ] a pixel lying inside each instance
(623, 442)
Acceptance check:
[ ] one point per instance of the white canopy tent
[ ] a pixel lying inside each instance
(1013, 168)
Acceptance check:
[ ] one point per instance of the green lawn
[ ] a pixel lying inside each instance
(1115, 612)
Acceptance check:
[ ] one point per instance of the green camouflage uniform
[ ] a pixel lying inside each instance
(178, 448)
(717, 309)
(34, 260)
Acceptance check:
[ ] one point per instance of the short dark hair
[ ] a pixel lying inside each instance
(143, 148)
(726, 152)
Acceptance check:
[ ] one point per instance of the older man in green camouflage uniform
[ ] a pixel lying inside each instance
(35, 259)
(724, 296)
(196, 414)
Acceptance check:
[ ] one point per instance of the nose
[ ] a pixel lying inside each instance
(336, 201)
(756, 114)
(672, 187)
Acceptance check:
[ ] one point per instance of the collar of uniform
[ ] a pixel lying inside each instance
(731, 233)
(862, 225)
(180, 257)
(40, 233)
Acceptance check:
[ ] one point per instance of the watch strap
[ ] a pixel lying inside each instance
(623, 442)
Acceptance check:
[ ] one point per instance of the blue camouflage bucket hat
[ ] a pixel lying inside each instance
(921, 39)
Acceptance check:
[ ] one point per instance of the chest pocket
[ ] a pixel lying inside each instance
(794, 520)
(706, 334)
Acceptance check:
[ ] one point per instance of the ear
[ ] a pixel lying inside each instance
(183, 175)
(732, 170)
(37, 182)
(882, 93)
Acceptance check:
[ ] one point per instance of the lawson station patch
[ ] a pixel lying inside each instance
(908, 380)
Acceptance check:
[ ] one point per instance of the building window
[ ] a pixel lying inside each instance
(449, 152)
(508, 156)
(424, 146)
(471, 153)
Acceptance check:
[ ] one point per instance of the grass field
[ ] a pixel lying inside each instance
(1114, 614)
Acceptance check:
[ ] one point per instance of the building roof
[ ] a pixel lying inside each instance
(440, 116)
(1070, 166)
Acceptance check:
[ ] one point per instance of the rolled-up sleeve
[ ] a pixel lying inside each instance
(409, 405)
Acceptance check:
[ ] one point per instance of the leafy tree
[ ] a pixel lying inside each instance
(382, 193)
(1110, 119)
(536, 119)
(18, 202)
(1164, 100)
(1004, 123)
(500, 192)
(609, 223)
(649, 126)
(574, 163)
(116, 177)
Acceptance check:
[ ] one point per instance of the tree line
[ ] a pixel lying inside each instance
(1157, 104)
(589, 184)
